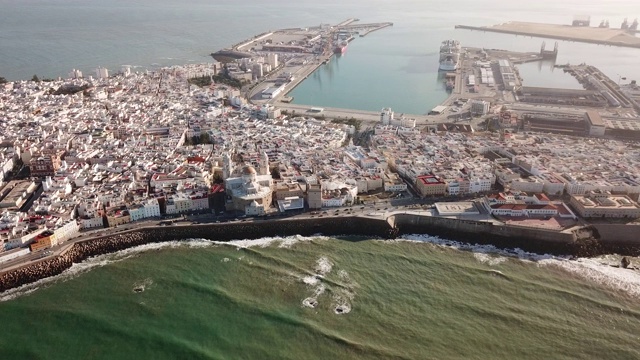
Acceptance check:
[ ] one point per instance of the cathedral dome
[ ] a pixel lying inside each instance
(248, 170)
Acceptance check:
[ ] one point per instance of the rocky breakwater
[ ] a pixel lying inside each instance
(252, 229)
(76, 253)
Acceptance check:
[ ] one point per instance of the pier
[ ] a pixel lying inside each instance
(591, 35)
(365, 29)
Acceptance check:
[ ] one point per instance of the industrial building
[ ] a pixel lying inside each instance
(507, 74)
(595, 125)
(590, 124)
(272, 92)
(479, 107)
(573, 97)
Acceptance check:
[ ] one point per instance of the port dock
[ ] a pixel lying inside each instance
(365, 29)
(592, 35)
(299, 52)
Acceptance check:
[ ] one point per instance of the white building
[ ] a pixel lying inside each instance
(254, 209)
(66, 231)
(136, 212)
(338, 194)
(481, 183)
(102, 73)
(272, 92)
(75, 74)
(386, 116)
(272, 60)
(258, 70)
(151, 208)
(126, 70)
(91, 222)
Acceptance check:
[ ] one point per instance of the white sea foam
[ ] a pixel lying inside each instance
(597, 270)
(323, 266)
(310, 280)
(477, 248)
(310, 302)
(283, 242)
(141, 286)
(625, 280)
(341, 304)
(489, 259)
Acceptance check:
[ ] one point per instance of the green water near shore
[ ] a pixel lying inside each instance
(401, 299)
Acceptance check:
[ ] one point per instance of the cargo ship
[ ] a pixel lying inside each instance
(449, 55)
(341, 47)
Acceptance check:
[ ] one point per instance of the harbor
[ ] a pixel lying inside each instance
(478, 82)
(294, 54)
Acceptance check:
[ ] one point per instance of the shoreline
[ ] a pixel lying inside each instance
(532, 240)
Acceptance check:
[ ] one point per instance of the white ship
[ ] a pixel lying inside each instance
(449, 55)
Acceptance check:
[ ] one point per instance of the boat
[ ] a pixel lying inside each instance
(449, 55)
(341, 48)
(450, 85)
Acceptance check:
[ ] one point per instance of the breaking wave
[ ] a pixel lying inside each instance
(603, 271)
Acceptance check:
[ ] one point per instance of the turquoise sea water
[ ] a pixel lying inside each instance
(321, 298)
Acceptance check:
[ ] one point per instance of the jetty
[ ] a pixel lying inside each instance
(586, 34)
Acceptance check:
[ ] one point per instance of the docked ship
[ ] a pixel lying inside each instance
(449, 55)
(341, 47)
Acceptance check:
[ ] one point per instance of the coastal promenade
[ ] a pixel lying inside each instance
(592, 35)
(375, 221)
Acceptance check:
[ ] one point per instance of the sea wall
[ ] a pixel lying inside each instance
(80, 251)
(503, 236)
(583, 242)
(618, 238)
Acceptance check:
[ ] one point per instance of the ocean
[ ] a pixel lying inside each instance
(319, 298)
(315, 298)
(394, 67)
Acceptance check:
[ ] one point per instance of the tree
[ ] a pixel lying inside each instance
(205, 138)
(275, 173)
(3, 80)
(217, 178)
(35, 78)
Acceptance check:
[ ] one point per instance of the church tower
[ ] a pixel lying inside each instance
(227, 166)
(264, 164)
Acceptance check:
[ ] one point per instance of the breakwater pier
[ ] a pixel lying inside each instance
(592, 35)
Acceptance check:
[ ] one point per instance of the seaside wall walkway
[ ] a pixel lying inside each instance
(580, 243)
(220, 232)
